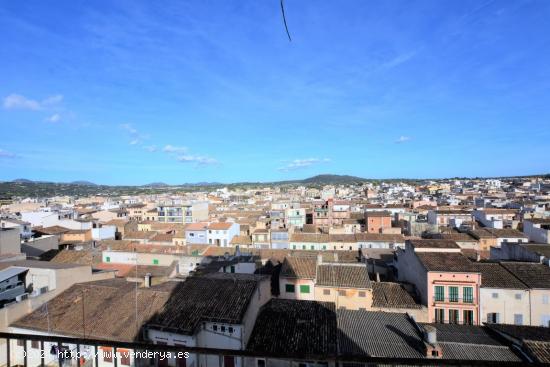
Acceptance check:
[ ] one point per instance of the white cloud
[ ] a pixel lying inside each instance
(151, 148)
(135, 136)
(129, 129)
(173, 149)
(18, 102)
(403, 139)
(6, 154)
(54, 118)
(52, 100)
(303, 163)
(199, 160)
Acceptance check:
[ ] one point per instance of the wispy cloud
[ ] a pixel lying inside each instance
(302, 163)
(6, 154)
(150, 148)
(199, 160)
(135, 136)
(18, 102)
(398, 60)
(174, 149)
(54, 118)
(403, 139)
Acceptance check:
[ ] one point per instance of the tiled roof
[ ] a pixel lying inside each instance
(465, 342)
(140, 235)
(204, 298)
(342, 275)
(299, 267)
(84, 257)
(309, 237)
(535, 275)
(539, 249)
(290, 328)
(438, 244)
(539, 350)
(220, 226)
(378, 334)
(97, 318)
(493, 275)
(379, 237)
(445, 261)
(392, 295)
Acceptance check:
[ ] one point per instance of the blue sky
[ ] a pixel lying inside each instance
(131, 92)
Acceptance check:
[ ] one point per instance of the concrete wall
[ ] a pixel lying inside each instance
(505, 304)
(37, 246)
(10, 241)
(351, 300)
(297, 294)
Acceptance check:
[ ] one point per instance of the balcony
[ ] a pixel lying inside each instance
(44, 350)
(454, 300)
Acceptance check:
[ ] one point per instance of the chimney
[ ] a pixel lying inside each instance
(433, 350)
(377, 277)
(147, 280)
(336, 257)
(319, 259)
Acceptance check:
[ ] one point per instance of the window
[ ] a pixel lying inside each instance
(312, 247)
(324, 247)
(495, 295)
(20, 343)
(468, 294)
(362, 294)
(155, 262)
(493, 318)
(108, 354)
(230, 329)
(326, 292)
(439, 293)
(232, 268)
(222, 329)
(518, 319)
(468, 317)
(303, 247)
(439, 315)
(342, 293)
(124, 357)
(453, 317)
(35, 344)
(107, 259)
(304, 289)
(260, 362)
(294, 247)
(289, 288)
(453, 294)
(518, 296)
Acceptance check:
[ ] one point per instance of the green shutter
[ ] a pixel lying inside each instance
(468, 294)
(453, 294)
(304, 289)
(232, 268)
(155, 262)
(439, 293)
(289, 288)
(108, 259)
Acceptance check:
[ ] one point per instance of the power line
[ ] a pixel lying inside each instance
(284, 20)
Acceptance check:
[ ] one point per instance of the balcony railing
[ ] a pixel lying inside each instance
(467, 300)
(32, 350)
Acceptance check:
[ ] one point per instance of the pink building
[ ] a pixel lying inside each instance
(445, 280)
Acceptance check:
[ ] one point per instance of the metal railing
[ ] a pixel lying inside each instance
(31, 350)
(467, 300)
